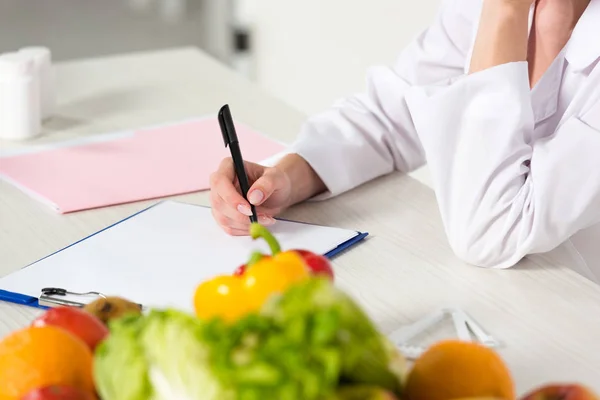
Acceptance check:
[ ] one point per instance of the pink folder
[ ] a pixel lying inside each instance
(146, 164)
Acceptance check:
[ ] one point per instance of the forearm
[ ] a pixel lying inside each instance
(304, 180)
(503, 34)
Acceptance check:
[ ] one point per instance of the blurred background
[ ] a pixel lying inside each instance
(307, 53)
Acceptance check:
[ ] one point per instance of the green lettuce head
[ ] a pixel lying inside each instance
(301, 346)
(158, 356)
(120, 366)
(334, 319)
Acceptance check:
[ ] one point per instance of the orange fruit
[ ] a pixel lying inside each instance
(36, 357)
(454, 369)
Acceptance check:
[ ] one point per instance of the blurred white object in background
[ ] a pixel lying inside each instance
(139, 5)
(44, 79)
(217, 28)
(310, 53)
(173, 11)
(313, 52)
(169, 11)
(19, 97)
(242, 59)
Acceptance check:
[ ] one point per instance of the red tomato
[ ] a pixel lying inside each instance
(239, 271)
(318, 264)
(80, 323)
(58, 393)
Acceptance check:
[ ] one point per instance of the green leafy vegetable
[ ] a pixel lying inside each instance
(301, 346)
(367, 356)
(159, 356)
(122, 364)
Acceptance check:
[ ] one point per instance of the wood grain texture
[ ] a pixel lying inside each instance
(546, 315)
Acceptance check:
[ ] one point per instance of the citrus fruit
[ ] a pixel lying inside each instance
(36, 357)
(454, 369)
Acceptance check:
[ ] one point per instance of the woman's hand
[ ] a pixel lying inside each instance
(270, 192)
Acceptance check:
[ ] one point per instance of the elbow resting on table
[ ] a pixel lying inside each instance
(486, 248)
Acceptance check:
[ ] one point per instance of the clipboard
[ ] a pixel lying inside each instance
(181, 226)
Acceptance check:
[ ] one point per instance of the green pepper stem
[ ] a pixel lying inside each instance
(259, 231)
(254, 258)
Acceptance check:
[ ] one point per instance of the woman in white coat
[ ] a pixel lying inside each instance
(501, 98)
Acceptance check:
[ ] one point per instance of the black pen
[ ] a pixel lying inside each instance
(230, 138)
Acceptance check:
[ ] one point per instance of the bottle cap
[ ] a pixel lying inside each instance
(41, 54)
(16, 65)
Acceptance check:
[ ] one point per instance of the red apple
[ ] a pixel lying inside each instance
(58, 393)
(80, 323)
(561, 392)
(480, 398)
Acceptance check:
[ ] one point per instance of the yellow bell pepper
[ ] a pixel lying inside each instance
(223, 296)
(272, 275)
(231, 297)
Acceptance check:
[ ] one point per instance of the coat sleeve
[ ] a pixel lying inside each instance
(371, 134)
(501, 196)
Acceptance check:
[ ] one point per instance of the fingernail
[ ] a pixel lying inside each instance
(264, 220)
(256, 197)
(244, 209)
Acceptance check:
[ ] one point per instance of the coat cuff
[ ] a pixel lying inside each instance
(315, 154)
(312, 155)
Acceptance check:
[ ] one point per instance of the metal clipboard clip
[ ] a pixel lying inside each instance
(463, 324)
(52, 297)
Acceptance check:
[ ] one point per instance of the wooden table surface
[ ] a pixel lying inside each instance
(547, 316)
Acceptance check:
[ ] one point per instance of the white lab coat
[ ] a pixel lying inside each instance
(516, 171)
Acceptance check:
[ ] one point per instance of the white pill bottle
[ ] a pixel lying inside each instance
(42, 64)
(20, 117)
